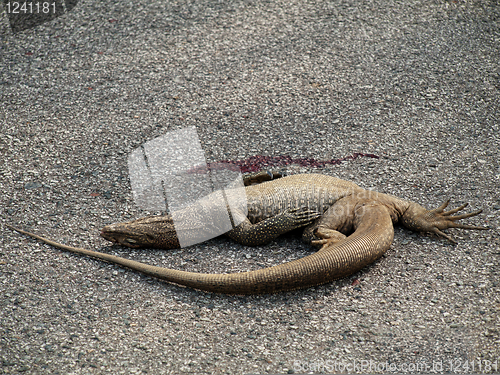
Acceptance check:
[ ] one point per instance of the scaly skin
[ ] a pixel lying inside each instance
(355, 229)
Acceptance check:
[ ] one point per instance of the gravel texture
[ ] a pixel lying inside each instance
(415, 82)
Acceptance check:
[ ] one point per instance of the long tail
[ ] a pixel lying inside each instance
(371, 239)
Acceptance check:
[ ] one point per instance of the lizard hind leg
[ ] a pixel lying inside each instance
(331, 226)
(419, 219)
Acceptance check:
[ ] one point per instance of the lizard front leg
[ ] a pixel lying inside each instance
(261, 176)
(267, 230)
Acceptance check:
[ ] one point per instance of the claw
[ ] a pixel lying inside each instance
(465, 226)
(318, 242)
(455, 210)
(464, 216)
(442, 234)
(441, 208)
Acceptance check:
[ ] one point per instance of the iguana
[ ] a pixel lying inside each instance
(353, 227)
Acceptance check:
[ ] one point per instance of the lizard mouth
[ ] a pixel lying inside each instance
(115, 238)
(108, 236)
(120, 240)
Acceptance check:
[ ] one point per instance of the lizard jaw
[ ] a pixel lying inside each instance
(114, 235)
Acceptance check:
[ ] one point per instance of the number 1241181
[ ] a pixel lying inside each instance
(30, 8)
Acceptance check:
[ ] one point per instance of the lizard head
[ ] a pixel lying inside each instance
(153, 231)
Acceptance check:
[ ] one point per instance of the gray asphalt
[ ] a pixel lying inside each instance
(415, 82)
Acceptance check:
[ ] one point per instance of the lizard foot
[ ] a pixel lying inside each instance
(261, 176)
(436, 220)
(328, 237)
(301, 216)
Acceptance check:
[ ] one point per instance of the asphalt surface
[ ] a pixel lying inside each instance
(414, 82)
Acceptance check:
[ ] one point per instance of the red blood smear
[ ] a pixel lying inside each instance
(258, 162)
